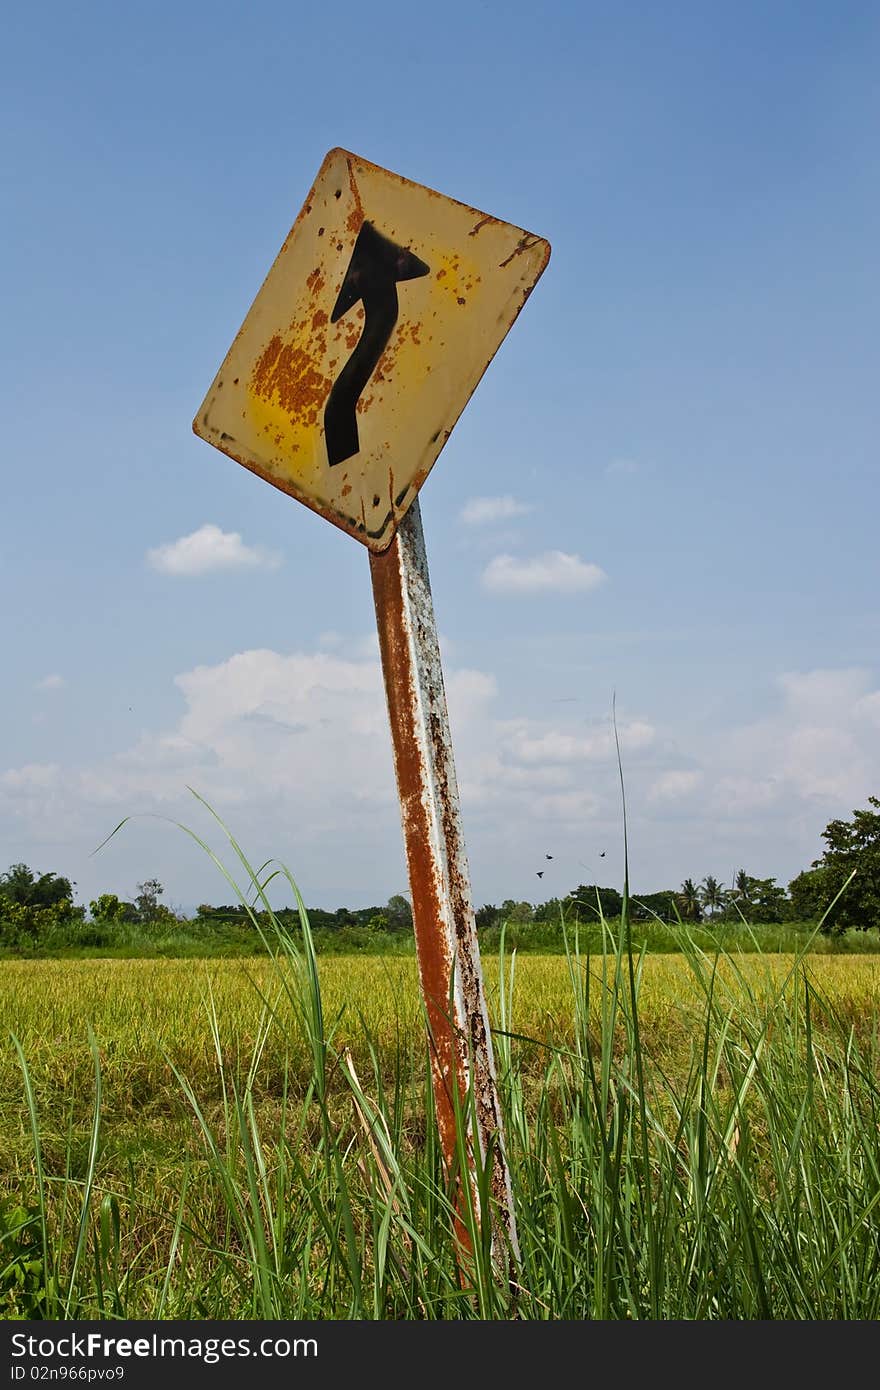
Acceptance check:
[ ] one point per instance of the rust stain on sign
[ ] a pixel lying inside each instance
(357, 216)
(374, 325)
(525, 243)
(286, 373)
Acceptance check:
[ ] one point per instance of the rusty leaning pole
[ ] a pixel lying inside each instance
(462, 1061)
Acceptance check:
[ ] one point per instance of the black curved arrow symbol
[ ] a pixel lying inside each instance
(375, 267)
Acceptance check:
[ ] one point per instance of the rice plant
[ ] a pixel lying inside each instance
(688, 1139)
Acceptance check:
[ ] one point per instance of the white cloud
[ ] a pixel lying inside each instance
(31, 777)
(209, 549)
(294, 752)
(364, 648)
(469, 694)
(812, 694)
(674, 785)
(479, 511)
(868, 707)
(555, 746)
(552, 572)
(621, 468)
(258, 689)
(818, 746)
(53, 682)
(738, 797)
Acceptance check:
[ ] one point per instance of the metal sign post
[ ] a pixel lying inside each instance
(462, 1060)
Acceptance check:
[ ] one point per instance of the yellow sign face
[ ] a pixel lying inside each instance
(381, 312)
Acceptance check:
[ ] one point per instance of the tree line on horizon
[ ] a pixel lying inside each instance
(841, 890)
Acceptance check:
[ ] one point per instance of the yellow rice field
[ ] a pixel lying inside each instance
(181, 1041)
(147, 1012)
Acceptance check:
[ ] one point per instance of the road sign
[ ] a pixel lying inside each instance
(378, 318)
(381, 312)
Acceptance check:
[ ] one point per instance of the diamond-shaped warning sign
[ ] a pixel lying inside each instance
(381, 312)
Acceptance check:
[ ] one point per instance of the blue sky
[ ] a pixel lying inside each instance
(688, 402)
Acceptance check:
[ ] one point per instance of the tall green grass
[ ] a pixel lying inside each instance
(743, 1185)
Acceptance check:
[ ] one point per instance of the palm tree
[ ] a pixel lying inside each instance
(712, 894)
(689, 900)
(743, 885)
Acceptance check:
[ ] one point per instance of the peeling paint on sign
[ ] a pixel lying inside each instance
(374, 325)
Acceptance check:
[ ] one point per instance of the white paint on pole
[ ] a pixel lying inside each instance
(462, 1056)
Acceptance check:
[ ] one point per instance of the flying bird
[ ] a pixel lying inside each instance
(540, 873)
(602, 854)
(548, 856)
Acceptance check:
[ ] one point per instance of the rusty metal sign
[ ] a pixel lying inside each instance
(375, 323)
(378, 318)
